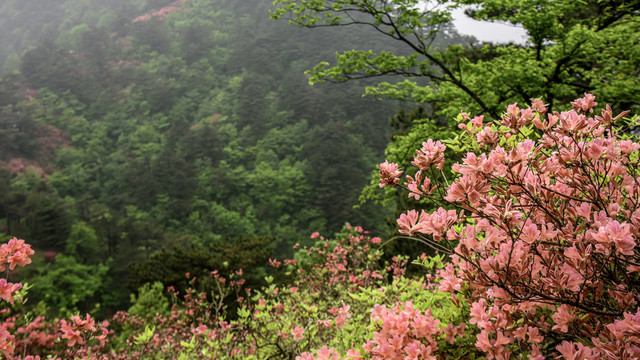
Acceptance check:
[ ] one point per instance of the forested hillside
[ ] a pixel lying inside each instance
(127, 128)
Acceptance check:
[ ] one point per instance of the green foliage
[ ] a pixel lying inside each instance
(67, 285)
(136, 136)
(46, 221)
(144, 337)
(327, 306)
(11, 64)
(169, 267)
(83, 243)
(72, 39)
(150, 301)
(570, 46)
(573, 48)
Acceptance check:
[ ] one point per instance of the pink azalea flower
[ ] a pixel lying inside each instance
(389, 174)
(297, 333)
(411, 222)
(431, 153)
(353, 354)
(7, 290)
(327, 354)
(7, 344)
(587, 103)
(562, 318)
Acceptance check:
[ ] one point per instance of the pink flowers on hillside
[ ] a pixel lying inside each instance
(541, 232)
(79, 330)
(13, 253)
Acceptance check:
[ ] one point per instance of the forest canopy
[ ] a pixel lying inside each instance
(138, 132)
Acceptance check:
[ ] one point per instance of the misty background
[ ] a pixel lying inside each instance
(143, 139)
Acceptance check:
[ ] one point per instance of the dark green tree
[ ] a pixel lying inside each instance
(573, 47)
(169, 267)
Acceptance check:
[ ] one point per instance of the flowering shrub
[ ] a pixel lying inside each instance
(326, 312)
(316, 310)
(336, 308)
(79, 333)
(14, 253)
(77, 337)
(284, 321)
(541, 225)
(401, 331)
(342, 302)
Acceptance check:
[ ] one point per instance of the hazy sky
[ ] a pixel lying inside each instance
(486, 31)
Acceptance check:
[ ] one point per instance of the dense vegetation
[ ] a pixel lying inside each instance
(547, 219)
(176, 149)
(160, 134)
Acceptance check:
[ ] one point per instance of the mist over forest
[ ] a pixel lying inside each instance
(140, 140)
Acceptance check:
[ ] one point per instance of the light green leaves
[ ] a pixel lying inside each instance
(145, 336)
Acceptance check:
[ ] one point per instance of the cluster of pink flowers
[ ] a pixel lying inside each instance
(198, 320)
(431, 154)
(37, 336)
(342, 315)
(15, 253)
(550, 224)
(6, 342)
(315, 309)
(324, 353)
(436, 224)
(347, 262)
(84, 337)
(389, 174)
(79, 330)
(8, 290)
(405, 333)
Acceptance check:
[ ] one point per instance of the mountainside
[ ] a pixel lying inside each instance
(128, 127)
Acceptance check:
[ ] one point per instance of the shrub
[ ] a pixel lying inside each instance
(541, 225)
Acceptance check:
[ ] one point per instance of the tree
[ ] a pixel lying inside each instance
(11, 64)
(49, 66)
(72, 39)
(339, 160)
(66, 284)
(170, 266)
(46, 220)
(83, 243)
(573, 47)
